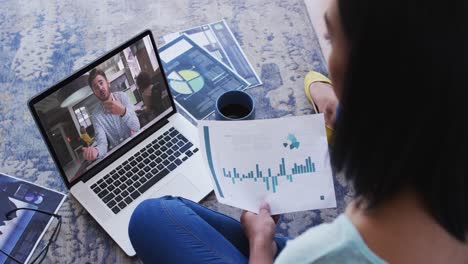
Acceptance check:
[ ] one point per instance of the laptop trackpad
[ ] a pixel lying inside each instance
(179, 186)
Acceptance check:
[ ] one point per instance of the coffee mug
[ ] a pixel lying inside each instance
(235, 105)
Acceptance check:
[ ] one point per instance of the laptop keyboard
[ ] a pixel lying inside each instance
(141, 171)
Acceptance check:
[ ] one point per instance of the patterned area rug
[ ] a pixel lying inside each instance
(44, 41)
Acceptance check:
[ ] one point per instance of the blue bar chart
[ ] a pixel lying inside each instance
(270, 178)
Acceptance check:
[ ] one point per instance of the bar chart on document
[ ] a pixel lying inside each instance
(284, 162)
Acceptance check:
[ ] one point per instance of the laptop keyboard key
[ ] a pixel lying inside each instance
(153, 172)
(128, 200)
(103, 193)
(122, 205)
(97, 189)
(195, 150)
(125, 193)
(173, 133)
(116, 209)
(131, 188)
(118, 198)
(178, 162)
(153, 180)
(135, 194)
(186, 147)
(109, 197)
(111, 203)
(171, 167)
(189, 153)
(129, 182)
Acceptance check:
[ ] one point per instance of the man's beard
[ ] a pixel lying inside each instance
(104, 96)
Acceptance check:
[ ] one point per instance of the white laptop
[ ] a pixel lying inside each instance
(115, 135)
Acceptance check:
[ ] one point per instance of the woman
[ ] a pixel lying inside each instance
(398, 69)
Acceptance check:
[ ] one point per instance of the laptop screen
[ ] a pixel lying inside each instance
(95, 114)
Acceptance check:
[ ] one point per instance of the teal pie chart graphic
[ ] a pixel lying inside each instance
(186, 81)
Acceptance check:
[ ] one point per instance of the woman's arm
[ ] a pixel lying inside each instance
(260, 231)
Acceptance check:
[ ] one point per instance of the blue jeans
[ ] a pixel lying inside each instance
(177, 230)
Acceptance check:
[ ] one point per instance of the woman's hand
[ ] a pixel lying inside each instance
(260, 231)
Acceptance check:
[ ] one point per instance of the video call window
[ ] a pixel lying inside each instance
(95, 114)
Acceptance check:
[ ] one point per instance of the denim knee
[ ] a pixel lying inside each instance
(148, 210)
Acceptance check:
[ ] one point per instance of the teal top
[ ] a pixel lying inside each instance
(336, 242)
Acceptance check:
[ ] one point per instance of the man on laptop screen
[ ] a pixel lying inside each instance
(114, 118)
(107, 103)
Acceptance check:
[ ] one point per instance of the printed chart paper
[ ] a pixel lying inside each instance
(195, 77)
(284, 162)
(217, 38)
(22, 231)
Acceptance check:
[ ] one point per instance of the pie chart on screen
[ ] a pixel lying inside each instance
(186, 81)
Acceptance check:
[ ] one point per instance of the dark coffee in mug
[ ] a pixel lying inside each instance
(235, 105)
(235, 111)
